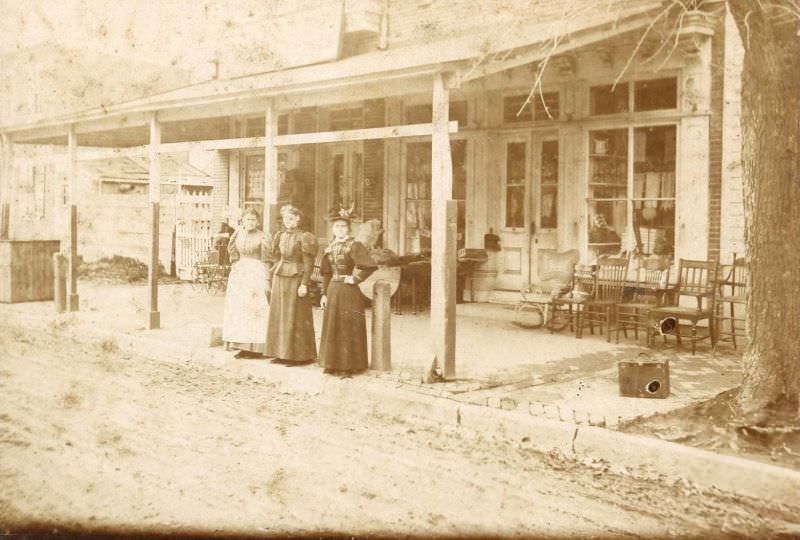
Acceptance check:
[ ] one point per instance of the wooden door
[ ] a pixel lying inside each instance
(515, 212)
(544, 200)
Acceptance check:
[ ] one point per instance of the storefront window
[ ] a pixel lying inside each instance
(608, 189)
(418, 201)
(254, 182)
(418, 194)
(647, 193)
(516, 158)
(348, 180)
(458, 152)
(654, 190)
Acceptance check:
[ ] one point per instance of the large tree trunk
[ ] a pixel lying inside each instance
(770, 155)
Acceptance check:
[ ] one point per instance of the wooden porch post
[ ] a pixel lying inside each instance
(154, 317)
(443, 254)
(270, 169)
(72, 266)
(6, 169)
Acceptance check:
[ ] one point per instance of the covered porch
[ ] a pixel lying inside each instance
(443, 144)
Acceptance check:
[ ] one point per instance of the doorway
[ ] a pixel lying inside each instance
(530, 173)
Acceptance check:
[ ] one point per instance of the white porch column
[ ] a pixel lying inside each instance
(270, 169)
(154, 318)
(72, 261)
(443, 240)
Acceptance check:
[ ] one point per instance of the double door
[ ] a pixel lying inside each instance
(529, 167)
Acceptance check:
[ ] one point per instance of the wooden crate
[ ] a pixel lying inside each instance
(26, 270)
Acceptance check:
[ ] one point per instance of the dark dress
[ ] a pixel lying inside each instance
(290, 330)
(343, 347)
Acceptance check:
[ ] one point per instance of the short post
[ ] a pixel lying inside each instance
(381, 326)
(72, 269)
(60, 282)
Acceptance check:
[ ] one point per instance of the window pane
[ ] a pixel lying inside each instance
(418, 206)
(608, 221)
(254, 178)
(516, 159)
(542, 113)
(548, 204)
(604, 100)
(654, 189)
(458, 154)
(608, 163)
(512, 106)
(656, 94)
(458, 112)
(419, 114)
(515, 207)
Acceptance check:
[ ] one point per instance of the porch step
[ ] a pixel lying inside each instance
(499, 296)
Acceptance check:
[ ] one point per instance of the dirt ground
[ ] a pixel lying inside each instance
(713, 425)
(97, 438)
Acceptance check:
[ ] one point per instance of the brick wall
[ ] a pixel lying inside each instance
(374, 116)
(715, 140)
(732, 234)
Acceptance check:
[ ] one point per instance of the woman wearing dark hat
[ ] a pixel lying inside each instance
(290, 331)
(343, 347)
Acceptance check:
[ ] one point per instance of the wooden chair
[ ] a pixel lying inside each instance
(565, 308)
(652, 276)
(696, 279)
(730, 302)
(609, 284)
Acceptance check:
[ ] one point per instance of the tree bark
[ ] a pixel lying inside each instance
(770, 157)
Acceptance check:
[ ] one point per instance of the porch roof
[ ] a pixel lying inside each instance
(467, 55)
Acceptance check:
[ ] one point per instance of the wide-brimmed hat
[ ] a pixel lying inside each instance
(342, 214)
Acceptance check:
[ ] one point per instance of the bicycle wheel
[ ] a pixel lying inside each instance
(528, 315)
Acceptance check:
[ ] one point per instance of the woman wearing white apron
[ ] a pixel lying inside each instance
(245, 315)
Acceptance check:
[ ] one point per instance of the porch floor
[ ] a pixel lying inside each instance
(497, 363)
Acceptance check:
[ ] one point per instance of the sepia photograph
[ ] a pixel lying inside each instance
(400, 269)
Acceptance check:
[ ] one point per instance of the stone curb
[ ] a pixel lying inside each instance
(673, 461)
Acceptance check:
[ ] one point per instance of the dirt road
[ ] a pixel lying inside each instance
(93, 436)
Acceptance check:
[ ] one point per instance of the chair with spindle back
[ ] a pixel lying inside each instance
(696, 279)
(730, 302)
(609, 284)
(566, 307)
(652, 276)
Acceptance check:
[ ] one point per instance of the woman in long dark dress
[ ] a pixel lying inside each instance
(290, 331)
(343, 347)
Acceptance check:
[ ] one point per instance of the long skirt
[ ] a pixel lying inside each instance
(290, 331)
(245, 312)
(344, 330)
